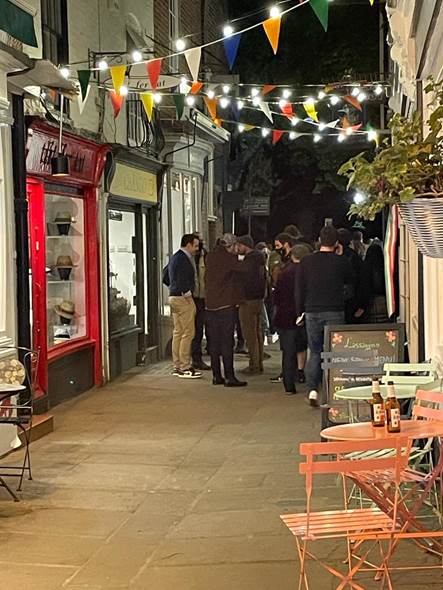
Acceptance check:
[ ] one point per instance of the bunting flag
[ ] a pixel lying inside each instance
(153, 68)
(266, 110)
(179, 101)
(211, 105)
(196, 87)
(83, 79)
(390, 249)
(310, 110)
(333, 124)
(231, 48)
(193, 57)
(147, 99)
(371, 2)
(321, 9)
(272, 30)
(352, 101)
(267, 88)
(80, 101)
(117, 102)
(249, 127)
(276, 136)
(287, 110)
(118, 74)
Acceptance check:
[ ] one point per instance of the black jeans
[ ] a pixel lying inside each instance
(288, 345)
(200, 317)
(220, 326)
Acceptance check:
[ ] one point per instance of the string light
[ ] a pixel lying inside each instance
(295, 121)
(292, 135)
(349, 131)
(282, 103)
(355, 91)
(322, 127)
(361, 97)
(123, 91)
(226, 88)
(190, 101)
(274, 12)
(334, 100)
(359, 198)
(180, 45)
(102, 65)
(265, 132)
(378, 90)
(317, 137)
(241, 128)
(211, 94)
(286, 93)
(310, 101)
(228, 30)
(321, 95)
(64, 72)
(240, 104)
(341, 137)
(157, 98)
(372, 135)
(224, 102)
(137, 56)
(256, 101)
(255, 92)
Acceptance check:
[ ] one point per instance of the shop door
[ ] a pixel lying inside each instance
(150, 285)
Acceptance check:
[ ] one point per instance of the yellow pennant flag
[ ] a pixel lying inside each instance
(147, 99)
(249, 127)
(272, 29)
(310, 110)
(118, 74)
(372, 2)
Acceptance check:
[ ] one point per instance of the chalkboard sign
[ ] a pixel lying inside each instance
(353, 354)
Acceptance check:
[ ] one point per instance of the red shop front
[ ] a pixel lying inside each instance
(64, 253)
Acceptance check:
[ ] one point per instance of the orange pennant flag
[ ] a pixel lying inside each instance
(118, 74)
(267, 88)
(196, 87)
(211, 105)
(117, 102)
(276, 136)
(272, 30)
(353, 101)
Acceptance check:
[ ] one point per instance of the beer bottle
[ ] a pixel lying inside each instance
(392, 410)
(377, 404)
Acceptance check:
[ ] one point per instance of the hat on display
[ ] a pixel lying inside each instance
(64, 262)
(63, 217)
(228, 240)
(66, 309)
(246, 241)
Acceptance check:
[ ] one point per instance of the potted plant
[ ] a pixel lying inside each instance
(406, 171)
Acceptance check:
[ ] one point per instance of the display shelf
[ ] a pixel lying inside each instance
(60, 282)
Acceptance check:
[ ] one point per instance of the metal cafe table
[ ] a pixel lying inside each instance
(364, 393)
(8, 390)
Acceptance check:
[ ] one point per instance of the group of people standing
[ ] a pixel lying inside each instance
(295, 288)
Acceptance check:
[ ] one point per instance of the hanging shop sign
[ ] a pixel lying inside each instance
(257, 206)
(139, 80)
(133, 183)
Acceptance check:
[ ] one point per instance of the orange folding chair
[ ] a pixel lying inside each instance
(353, 525)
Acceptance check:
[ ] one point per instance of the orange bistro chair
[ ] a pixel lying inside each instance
(351, 525)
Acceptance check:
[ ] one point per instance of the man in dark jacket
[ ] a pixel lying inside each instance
(251, 310)
(181, 270)
(224, 292)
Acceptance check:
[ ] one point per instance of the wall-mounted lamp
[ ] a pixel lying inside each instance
(60, 164)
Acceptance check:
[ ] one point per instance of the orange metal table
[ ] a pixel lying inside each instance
(413, 429)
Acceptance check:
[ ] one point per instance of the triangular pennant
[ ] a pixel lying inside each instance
(117, 102)
(371, 2)
(211, 105)
(147, 99)
(193, 57)
(154, 68)
(118, 74)
(80, 101)
(83, 79)
(276, 136)
(352, 101)
(267, 88)
(231, 48)
(333, 124)
(196, 87)
(249, 127)
(179, 101)
(309, 107)
(287, 110)
(272, 30)
(266, 110)
(321, 9)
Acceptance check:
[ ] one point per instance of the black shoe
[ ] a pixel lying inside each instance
(278, 379)
(301, 376)
(235, 383)
(240, 350)
(201, 366)
(218, 381)
(293, 392)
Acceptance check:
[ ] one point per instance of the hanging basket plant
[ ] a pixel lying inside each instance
(406, 171)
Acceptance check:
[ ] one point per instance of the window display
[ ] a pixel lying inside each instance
(65, 269)
(122, 271)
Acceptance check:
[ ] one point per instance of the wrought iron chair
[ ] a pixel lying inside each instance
(17, 387)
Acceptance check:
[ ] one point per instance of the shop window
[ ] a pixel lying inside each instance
(65, 269)
(55, 31)
(122, 271)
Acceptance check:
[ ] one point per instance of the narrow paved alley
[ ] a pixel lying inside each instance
(155, 483)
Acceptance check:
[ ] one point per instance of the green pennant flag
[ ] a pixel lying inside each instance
(179, 100)
(321, 9)
(83, 78)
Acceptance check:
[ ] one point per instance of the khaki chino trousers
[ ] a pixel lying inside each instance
(183, 317)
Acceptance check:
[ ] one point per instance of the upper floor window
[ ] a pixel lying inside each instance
(55, 31)
(174, 31)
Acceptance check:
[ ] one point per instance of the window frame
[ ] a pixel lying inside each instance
(174, 30)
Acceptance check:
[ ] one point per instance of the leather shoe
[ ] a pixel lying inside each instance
(201, 366)
(218, 381)
(235, 383)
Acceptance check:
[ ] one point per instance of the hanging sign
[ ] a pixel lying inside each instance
(133, 183)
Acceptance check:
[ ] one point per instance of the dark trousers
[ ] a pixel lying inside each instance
(238, 329)
(220, 326)
(288, 345)
(200, 317)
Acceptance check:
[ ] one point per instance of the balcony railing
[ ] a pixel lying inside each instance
(143, 134)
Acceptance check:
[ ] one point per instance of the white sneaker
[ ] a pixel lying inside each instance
(313, 398)
(190, 374)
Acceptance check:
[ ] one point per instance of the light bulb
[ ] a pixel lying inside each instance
(240, 104)
(256, 101)
(282, 103)
(255, 92)
(292, 135)
(349, 131)
(286, 93)
(123, 91)
(137, 56)
(317, 138)
(321, 95)
(361, 97)
(372, 135)
(190, 101)
(64, 72)
(295, 121)
(183, 80)
(355, 91)
(224, 102)
(265, 132)
(334, 100)
(102, 65)
(157, 98)
(211, 94)
(378, 89)
(274, 12)
(341, 137)
(359, 198)
(180, 45)
(321, 126)
(310, 101)
(226, 88)
(228, 30)
(241, 128)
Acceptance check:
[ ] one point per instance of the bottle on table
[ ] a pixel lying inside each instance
(392, 407)
(377, 405)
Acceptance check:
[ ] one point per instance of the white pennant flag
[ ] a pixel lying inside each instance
(333, 124)
(267, 111)
(193, 57)
(80, 102)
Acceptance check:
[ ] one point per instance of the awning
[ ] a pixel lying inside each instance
(44, 73)
(17, 22)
